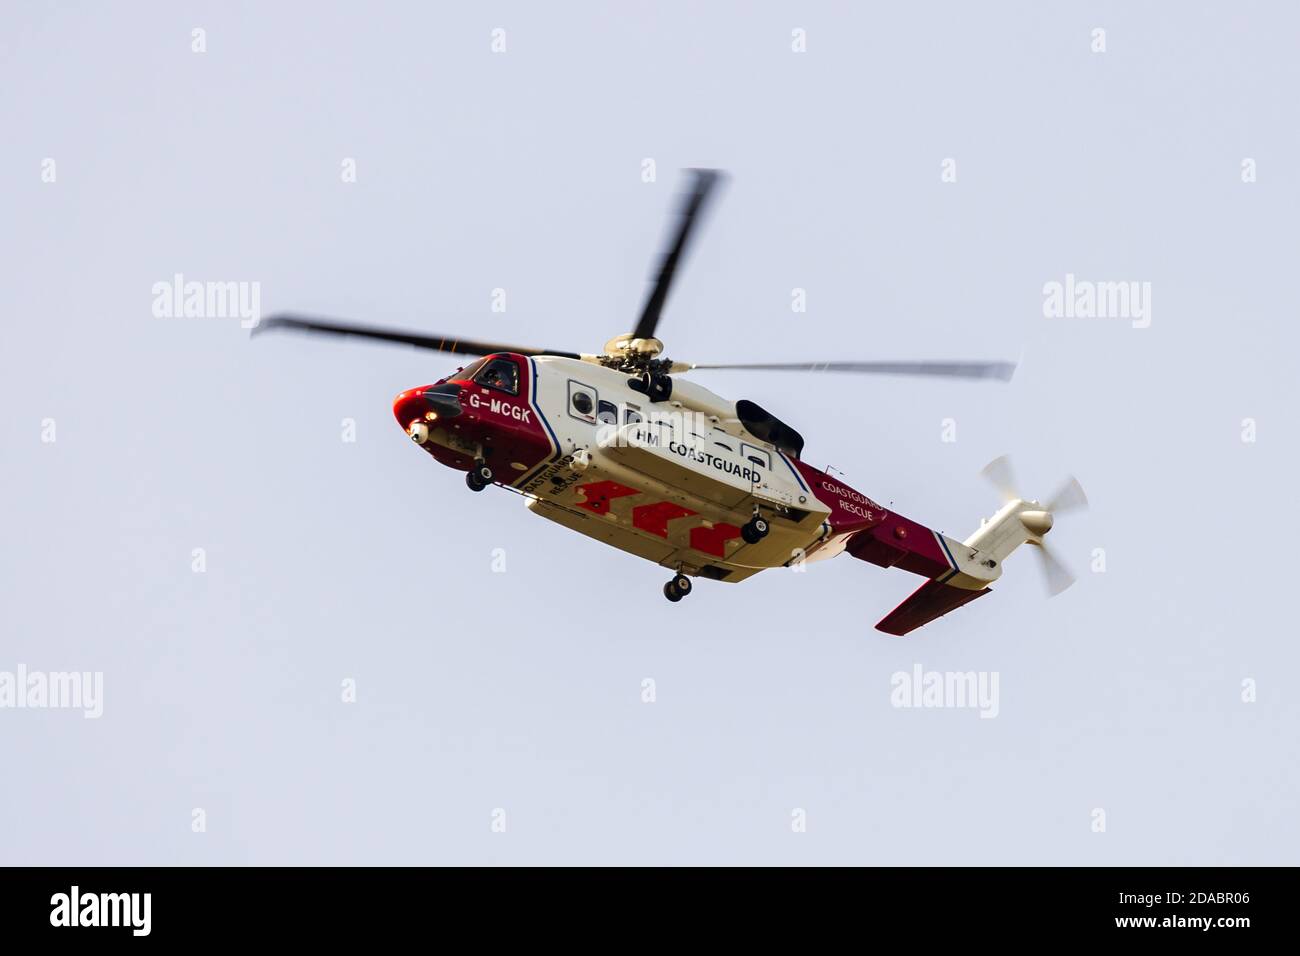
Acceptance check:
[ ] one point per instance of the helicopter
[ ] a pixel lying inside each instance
(620, 447)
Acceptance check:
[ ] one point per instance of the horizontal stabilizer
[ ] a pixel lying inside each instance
(929, 601)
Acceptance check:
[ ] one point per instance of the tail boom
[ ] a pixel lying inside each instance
(958, 571)
(966, 570)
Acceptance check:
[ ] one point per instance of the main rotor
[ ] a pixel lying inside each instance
(638, 352)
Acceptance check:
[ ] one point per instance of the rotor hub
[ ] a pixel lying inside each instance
(1037, 523)
(628, 347)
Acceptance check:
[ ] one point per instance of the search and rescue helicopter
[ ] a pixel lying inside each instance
(619, 447)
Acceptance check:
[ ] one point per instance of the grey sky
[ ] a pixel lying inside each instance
(521, 690)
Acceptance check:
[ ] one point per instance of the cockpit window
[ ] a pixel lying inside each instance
(501, 374)
(469, 371)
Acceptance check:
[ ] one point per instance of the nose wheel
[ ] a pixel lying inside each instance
(678, 588)
(478, 477)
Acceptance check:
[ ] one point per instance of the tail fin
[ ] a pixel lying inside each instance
(932, 599)
(959, 571)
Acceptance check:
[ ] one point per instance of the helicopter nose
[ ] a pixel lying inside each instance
(410, 406)
(418, 410)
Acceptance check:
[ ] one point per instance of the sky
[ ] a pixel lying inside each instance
(316, 646)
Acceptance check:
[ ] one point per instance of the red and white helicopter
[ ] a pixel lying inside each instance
(617, 446)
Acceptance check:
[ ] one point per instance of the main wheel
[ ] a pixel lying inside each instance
(683, 584)
(755, 530)
(671, 592)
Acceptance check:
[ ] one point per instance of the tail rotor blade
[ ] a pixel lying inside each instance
(999, 474)
(1056, 575)
(1069, 497)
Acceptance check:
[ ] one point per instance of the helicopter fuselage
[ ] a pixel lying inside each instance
(675, 482)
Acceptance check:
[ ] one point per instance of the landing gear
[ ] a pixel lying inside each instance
(754, 530)
(678, 588)
(479, 477)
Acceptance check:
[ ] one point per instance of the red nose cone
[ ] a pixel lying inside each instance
(410, 406)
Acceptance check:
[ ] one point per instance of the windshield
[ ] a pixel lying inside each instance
(467, 373)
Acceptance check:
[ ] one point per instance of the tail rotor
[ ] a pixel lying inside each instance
(1038, 519)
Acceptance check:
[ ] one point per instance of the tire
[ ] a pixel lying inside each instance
(473, 481)
(683, 584)
(671, 592)
(754, 531)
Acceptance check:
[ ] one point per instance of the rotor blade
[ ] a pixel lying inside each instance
(436, 343)
(1057, 576)
(1000, 476)
(1069, 497)
(999, 370)
(692, 206)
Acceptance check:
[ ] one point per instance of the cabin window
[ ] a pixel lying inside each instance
(501, 374)
(607, 413)
(582, 402)
(631, 416)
